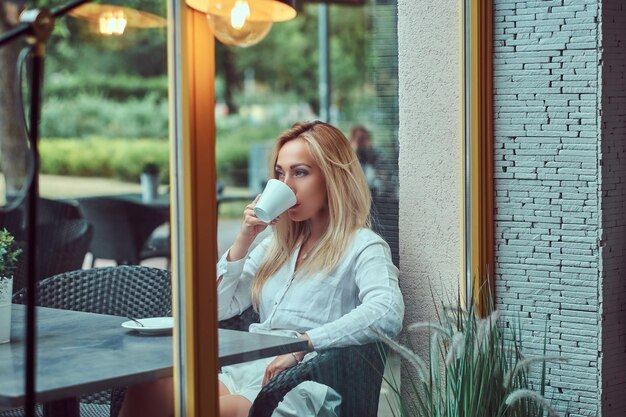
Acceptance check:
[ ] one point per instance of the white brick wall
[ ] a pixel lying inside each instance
(546, 73)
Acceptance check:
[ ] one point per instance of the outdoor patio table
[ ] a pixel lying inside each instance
(79, 353)
(163, 200)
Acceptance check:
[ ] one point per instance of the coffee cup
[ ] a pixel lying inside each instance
(275, 199)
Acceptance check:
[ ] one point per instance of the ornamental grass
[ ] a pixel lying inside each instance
(475, 368)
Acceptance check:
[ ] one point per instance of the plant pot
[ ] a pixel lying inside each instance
(6, 292)
(149, 186)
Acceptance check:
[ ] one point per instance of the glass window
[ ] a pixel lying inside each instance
(259, 98)
(102, 249)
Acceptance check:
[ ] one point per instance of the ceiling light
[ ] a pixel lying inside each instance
(108, 19)
(243, 23)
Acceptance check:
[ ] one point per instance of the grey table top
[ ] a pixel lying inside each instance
(79, 353)
(162, 201)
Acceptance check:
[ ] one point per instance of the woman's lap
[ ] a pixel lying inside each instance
(307, 399)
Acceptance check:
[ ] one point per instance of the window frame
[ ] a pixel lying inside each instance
(478, 142)
(191, 65)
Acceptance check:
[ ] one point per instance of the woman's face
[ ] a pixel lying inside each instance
(296, 167)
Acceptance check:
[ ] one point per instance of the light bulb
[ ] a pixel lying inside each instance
(248, 34)
(239, 13)
(112, 22)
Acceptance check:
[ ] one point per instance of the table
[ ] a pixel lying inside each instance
(163, 200)
(79, 353)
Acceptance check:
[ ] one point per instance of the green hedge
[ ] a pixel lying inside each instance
(86, 115)
(233, 146)
(114, 87)
(101, 157)
(124, 158)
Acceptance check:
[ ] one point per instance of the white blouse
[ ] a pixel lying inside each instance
(336, 309)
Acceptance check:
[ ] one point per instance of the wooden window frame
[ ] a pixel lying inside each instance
(478, 222)
(191, 66)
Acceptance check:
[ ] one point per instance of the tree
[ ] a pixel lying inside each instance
(287, 60)
(13, 142)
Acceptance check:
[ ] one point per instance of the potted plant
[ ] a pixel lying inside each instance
(475, 367)
(9, 253)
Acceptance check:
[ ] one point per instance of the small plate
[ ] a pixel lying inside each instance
(154, 325)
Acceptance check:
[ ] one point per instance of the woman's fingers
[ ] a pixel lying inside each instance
(279, 364)
(252, 225)
(251, 205)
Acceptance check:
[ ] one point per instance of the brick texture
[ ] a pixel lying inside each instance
(546, 72)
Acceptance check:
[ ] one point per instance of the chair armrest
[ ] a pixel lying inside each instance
(355, 372)
(117, 398)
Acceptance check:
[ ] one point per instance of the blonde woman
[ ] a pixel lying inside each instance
(322, 275)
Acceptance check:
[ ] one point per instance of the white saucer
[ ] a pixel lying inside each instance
(154, 325)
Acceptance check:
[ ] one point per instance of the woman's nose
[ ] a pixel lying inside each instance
(288, 180)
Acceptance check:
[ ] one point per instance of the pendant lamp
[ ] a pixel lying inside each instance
(112, 20)
(243, 23)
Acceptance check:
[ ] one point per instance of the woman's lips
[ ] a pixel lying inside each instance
(294, 207)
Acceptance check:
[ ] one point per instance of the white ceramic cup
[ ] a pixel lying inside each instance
(275, 199)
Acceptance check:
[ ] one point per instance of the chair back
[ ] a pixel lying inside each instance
(13, 220)
(61, 247)
(136, 291)
(49, 211)
(121, 227)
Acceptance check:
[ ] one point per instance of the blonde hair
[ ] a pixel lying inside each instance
(349, 202)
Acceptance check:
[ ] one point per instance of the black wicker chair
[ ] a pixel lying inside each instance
(355, 372)
(62, 246)
(49, 210)
(122, 229)
(135, 291)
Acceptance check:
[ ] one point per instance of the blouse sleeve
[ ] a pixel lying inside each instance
(381, 308)
(233, 291)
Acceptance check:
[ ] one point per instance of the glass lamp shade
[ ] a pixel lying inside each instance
(243, 23)
(250, 33)
(108, 19)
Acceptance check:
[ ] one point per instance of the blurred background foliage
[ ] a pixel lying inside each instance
(105, 110)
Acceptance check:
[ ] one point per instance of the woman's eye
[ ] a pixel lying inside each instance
(301, 173)
(279, 174)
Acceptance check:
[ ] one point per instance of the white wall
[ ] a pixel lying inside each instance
(429, 42)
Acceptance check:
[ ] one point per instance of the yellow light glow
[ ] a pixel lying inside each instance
(239, 13)
(112, 22)
(243, 23)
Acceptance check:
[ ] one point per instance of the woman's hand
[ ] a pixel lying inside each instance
(251, 226)
(281, 363)
(309, 345)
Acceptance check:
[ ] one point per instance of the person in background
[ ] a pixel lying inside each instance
(323, 276)
(369, 157)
